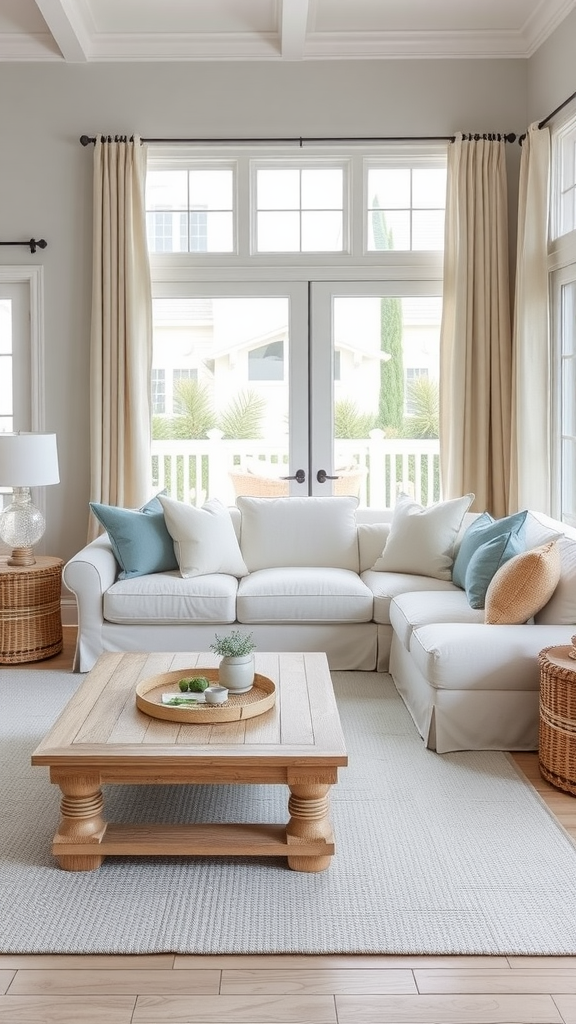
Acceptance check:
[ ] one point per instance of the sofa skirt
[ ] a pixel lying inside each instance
(464, 719)
(348, 647)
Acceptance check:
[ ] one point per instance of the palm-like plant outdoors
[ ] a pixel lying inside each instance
(243, 417)
(349, 421)
(423, 396)
(196, 415)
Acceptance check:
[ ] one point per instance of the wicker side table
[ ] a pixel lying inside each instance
(30, 617)
(557, 744)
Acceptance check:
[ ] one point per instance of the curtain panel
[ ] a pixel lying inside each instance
(530, 484)
(475, 334)
(121, 329)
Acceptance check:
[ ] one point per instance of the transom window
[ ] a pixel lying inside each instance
(354, 204)
(299, 209)
(405, 208)
(190, 210)
(564, 219)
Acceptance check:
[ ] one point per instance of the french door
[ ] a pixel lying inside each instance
(292, 388)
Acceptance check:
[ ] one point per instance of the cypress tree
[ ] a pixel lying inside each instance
(391, 397)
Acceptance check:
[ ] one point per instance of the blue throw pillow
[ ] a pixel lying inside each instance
(485, 563)
(484, 528)
(139, 538)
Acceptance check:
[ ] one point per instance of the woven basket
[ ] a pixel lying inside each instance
(557, 742)
(30, 616)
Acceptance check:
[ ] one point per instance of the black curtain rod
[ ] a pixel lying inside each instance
(561, 106)
(34, 243)
(510, 137)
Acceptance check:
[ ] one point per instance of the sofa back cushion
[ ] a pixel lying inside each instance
(299, 532)
(422, 539)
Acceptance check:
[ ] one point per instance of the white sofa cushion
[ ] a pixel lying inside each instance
(170, 598)
(303, 594)
(299, 532)
(420, 608)
(387, 585)
(472, 656)
(422, 540)
(204, 538)
(372, 538)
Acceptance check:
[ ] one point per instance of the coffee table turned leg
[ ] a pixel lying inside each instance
(81, 822)
(309, 822)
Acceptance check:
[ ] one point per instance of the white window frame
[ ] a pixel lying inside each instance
(243, 262)
(561, 271)
(33, 277)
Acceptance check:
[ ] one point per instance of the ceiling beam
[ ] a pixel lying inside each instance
(293, 22)
(64, 23)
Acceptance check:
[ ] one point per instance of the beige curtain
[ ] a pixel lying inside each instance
(475, 337)
(530, 453)
(121, 333)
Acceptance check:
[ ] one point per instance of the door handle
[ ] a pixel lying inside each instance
(299, 476)
(322, 476)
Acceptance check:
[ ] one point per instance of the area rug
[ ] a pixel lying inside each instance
(435, 854)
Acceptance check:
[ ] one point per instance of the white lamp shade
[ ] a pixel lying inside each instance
(28, 460)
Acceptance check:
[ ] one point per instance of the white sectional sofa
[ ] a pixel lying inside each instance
(321, 574)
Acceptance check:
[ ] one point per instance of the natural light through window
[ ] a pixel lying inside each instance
(190, 210)
(6, 397)
(405, 208)
(300, 209)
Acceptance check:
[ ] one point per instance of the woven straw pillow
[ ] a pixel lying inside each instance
(523, 585)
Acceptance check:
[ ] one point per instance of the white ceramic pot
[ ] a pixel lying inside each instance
(237, 674)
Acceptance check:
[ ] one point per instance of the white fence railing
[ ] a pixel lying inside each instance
(199, 469)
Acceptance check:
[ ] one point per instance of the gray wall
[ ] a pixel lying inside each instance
(46, 175)
(552, 71)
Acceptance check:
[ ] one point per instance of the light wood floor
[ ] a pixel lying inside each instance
(179, 989)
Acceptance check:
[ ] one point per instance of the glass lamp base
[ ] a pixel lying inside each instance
(21, 526)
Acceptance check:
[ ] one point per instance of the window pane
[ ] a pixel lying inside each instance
(167, 232)
(227, 402)
(389, 187)
(278, 189)
(5, 326)
(278, 232)
(166, 190)
(387, 388)
(322, 189)
(266, 362)
(211, 189)
(220, 232)
(429, 188)
(388, 229)
(568, 481)
(322, 232)
(428, 229)
(6, 365)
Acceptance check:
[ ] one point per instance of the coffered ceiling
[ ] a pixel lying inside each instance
(79, 31)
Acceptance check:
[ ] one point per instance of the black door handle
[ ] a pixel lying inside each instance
(322, 476)
(299, 476)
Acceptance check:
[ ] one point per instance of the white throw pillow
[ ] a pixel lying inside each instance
(204, 538)
(421, 540)
(295, 531)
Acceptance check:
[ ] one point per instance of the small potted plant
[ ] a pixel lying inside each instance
(236, 669)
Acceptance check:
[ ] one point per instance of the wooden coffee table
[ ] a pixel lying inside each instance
(101, 737)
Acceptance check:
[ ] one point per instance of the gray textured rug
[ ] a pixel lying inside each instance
(435, 854)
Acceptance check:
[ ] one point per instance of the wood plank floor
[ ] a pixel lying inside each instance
(168, 989)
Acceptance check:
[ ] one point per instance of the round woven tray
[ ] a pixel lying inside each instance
(256, 701)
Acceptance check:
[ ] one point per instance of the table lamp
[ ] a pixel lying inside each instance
(26, 460)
